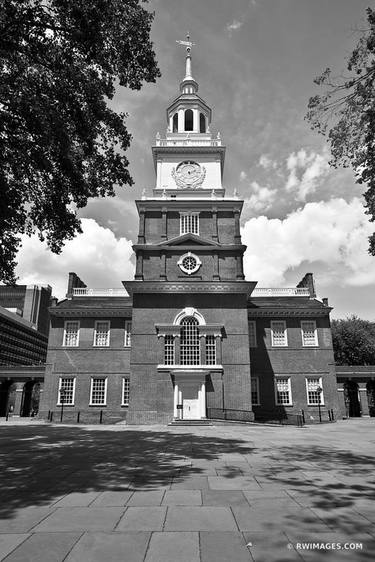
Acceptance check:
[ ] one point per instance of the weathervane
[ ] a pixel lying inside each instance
(188, 44)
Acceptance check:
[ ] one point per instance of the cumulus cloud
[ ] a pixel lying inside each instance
(261, 198)
(234, 26)
(306, 171)
(266, 162)
(96, 255)
(333, 233)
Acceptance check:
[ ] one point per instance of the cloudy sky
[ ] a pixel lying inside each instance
(255, 61)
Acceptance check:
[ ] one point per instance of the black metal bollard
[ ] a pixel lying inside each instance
(78, 416)
(101, 416)
(51, 417)
(303, 416)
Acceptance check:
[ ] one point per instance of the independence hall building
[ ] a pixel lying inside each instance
(190, 337)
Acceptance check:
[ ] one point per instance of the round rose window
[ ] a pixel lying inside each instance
(189, 263)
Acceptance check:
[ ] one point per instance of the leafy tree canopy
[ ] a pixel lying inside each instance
(345, 112)
(60, 142)
(353, 341)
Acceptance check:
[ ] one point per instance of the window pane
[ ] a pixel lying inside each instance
(189, 223)
(67, 397)
(190, 342)
(71, 334)
(169, 350)
(101, 334)
(313, 396)
(128, 333)
(254, 391)
(125, 391)
(252, 334)
(283, 391)
(278, 333)
(309, 333)
(98, 391)
(210, 350)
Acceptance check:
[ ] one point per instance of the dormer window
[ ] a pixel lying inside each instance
(175, 123)
(202, 123)
(189, 120)
(189, 223)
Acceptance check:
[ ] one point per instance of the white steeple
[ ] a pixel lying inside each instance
(189, 160)
(188, 85)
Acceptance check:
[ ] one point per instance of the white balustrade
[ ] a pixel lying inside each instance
(281, 292)
(85, 292)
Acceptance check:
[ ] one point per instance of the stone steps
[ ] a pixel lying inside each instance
(189, 422)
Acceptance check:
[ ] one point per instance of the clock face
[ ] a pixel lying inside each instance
(188, 174)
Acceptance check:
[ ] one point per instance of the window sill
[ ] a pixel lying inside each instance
(163, 367)
(97, 405)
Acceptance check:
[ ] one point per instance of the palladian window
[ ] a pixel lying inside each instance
(190, 342)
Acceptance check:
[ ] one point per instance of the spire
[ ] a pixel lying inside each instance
(188, 85)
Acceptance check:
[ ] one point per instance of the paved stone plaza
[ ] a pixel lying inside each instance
(211, 494)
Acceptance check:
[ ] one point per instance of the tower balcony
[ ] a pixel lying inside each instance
(193, 139)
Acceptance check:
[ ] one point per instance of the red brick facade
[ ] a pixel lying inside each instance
(191, 309)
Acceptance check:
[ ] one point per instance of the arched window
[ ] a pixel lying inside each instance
(189, 120)
(202, 123)
(189, 341)
(175, 123)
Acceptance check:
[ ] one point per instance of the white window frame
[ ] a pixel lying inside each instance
(123, 403)
(211, 348)
(128, 333)
(95, 344)
(304, 344)
(59, 403)
(290, 403)
(253, 333)
(65, 332)
(169, 346)
(307, 391)
(275, 344)
(256, 380)
(105, 391)
(189, 229)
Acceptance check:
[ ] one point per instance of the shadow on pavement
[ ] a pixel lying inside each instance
(39, 464)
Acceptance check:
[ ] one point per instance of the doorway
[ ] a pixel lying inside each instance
(352, 401)
(30, 399)
(7, 397)
(189, 395)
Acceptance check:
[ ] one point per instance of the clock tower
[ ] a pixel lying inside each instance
(189, 327)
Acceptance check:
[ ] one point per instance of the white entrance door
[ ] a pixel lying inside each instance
(191, 409)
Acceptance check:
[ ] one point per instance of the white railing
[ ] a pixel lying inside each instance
(188, 142)
(281, 292)
(85, 292)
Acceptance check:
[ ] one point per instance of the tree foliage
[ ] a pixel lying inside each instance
(353, 341)
(345, 112)
(60, 142)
